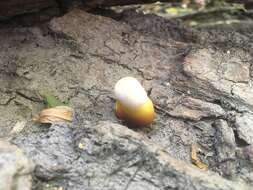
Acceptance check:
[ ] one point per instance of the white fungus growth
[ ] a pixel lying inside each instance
(130, 92)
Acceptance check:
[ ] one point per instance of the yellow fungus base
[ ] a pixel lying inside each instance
(143, 116)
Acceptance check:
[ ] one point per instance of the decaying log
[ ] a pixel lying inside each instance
(11, 8)
(15, 7)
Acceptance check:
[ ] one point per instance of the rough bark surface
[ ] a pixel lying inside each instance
(200, 81)
(16, 169)
(113, 157)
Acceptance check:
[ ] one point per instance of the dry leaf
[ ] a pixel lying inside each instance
(55, 115)
(195, 159)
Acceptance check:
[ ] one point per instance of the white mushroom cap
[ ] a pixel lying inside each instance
(130, 92)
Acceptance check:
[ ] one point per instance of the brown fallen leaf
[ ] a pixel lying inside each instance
(195, 159)
(55, 115)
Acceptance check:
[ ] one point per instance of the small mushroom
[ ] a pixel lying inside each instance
(132, 103)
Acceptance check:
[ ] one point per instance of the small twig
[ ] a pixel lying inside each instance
(162, 110)
(133, 176)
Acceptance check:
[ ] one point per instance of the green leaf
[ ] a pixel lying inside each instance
(52, 101)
